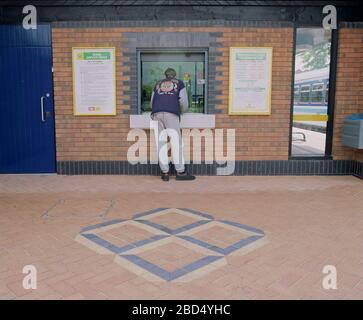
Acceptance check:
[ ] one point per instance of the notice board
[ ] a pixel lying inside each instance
(94, 81)
(250, 71)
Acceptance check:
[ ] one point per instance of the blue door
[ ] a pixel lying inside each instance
(27, 142)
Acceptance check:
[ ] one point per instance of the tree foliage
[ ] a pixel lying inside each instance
(316, 58)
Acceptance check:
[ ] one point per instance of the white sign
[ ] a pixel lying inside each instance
(94, 81)
(250, 80)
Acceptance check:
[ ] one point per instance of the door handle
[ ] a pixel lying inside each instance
(42, 106)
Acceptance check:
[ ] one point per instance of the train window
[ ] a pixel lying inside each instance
(305, 93)
(310, 105)
(317, 93)
(296, 94)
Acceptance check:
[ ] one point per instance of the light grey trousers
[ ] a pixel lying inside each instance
(169, 126)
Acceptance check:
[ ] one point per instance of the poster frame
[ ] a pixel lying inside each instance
(75, 113)
(269, 78)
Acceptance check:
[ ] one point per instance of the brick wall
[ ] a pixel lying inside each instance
(260, 137)
(104, 138)
(257, 137)
(87, 138)
(349, 87)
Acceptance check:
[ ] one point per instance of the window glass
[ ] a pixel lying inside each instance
(296, 94)
(310, 107)
(190, 69)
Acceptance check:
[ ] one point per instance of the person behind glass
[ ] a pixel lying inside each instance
(168, 100)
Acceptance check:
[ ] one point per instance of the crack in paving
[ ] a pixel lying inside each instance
(108, 209)
(102, 215)
(45, 214)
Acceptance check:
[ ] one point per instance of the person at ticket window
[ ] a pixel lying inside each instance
(168, 100)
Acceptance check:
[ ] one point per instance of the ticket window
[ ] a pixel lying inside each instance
(190, 68)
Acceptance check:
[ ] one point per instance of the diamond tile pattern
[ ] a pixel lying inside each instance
(219, 236)
(173, 220)
(170, 244)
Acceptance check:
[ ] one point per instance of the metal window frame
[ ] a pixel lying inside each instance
(203, 50)
(331, 95)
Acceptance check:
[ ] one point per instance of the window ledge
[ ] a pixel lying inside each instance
(188, 121)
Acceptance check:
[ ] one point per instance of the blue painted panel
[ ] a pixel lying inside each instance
(27, 143)
(352, 131)
(17, 36)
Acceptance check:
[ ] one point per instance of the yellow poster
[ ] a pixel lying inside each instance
(94, 81)
(250, 71)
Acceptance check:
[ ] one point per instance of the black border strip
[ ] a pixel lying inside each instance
(331, 97)
(172, 23)
(316, 167)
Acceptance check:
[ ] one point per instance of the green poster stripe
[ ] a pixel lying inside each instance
(250, 56)
(97, 55)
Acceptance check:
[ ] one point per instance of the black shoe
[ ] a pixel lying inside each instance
(165, 176)
(184, 176)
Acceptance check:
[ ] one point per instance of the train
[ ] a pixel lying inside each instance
(311, 91)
